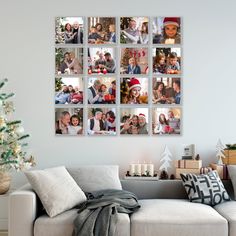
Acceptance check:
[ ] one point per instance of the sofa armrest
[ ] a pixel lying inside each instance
(22, 212)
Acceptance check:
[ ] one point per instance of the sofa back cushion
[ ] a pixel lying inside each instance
(95, 178)
(56, 189)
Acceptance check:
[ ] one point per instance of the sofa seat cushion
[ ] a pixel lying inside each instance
(63, 224)
(172, 217)
(228, 211)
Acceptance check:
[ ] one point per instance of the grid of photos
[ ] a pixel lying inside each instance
(118, 76)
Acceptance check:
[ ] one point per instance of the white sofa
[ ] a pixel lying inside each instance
(165, 211)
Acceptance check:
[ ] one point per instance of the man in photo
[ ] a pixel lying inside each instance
(110, 65)
(64, 65)
(95, 124)
(131, 33)
(94, 96)
(142, 124)
(78, 34)
(63, 123)
(174, 123)
(63, 96)
(100, 62)
(176, 87)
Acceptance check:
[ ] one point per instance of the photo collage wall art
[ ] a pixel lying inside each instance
(118, 76)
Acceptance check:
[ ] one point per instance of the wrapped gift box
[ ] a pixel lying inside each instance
(188, 164)
(230, 157)
(186, 171)
(221, 169)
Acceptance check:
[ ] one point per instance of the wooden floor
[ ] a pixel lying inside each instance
(3, 233)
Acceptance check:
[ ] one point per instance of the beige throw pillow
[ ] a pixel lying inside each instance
(56, 189)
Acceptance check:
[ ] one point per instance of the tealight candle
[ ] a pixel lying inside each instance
(150, 169)
(132, 169)
(138, 169)
(144, 169)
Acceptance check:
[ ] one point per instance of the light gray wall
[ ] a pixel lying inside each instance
(27, 59)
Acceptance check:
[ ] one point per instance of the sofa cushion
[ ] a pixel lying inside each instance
(205, 188)
(56, 189)
(63, 224)
(178, 217)
(228, 211)
(95, 178)
(232, 174)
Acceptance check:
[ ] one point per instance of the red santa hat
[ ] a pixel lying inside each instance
(171, 21)
(142, 115)
(134, 83)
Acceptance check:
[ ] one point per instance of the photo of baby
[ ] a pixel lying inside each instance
(166, 121)
(69, 121)
(166, 30)
(69, 30)
(101, 121)
(69, 61)
(134, 61)
(134, 90)
(166, 91)
(101, 90)
(69, 90)
(166, 60)
(102, 30)
(101, 60)
(134, 30)
(134, 121)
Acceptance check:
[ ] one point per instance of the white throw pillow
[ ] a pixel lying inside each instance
(96, 177)
(56, 189)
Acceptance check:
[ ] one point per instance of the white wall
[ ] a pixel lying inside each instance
(27, 59)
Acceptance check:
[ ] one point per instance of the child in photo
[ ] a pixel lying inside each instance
(173, 66)
(74, 128)
(93, 35)
(160, 66)
(110, 122)
(143, 38)
(133, 67)
(76, 97)
(162, 126)
(111, 37)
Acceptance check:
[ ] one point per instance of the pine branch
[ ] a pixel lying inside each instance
(3, 82)
(15, 122)
(23, 137)
(8, 162)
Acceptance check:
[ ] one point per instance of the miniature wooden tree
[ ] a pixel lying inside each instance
(220, 152)
(166, 159)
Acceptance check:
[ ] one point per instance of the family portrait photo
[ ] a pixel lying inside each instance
(101, 90)
(134, 61)
(134, 30)
(134, 90)
(166, 90)
(166, 121)
(69, 90)
(69, 30)
(69, 121)
(101, 121)
(101, 30)
(134, 121)
(166, 30)
(69, 61)
(166, 60)
(101, 60)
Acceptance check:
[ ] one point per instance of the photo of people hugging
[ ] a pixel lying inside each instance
(134, 90)
(134, 30)
(101, 30)
(134, 61)
(69, 61)
(134, 121)
(166, 91)
(166, 60)
(166, 30)
(166, 121)
(69, 30)
(101, 61)
(101, 90)
(101, 121)
(69, 90)
(69, 121)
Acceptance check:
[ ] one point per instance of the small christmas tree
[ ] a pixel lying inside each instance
(165, 160)
(12, 135)
(220, 152)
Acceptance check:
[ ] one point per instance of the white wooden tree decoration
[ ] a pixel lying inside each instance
(166, 159)
(220, 152)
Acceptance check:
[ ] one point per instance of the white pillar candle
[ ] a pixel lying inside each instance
(144, 169)
(132, 169)
(150, 169)
(138, 169)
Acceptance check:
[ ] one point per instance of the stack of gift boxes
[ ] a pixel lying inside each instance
(195, 166)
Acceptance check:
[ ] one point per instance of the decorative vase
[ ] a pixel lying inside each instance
(5, 181)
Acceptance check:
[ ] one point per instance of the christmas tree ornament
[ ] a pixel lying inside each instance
(166, 159)
(220, 152)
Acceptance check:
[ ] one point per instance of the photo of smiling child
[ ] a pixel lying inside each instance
(134, 90)
(166, 30)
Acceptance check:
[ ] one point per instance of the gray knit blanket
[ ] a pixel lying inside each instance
(98, 216)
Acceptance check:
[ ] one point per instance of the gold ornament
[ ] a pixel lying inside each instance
(17, 149)
(2, 121)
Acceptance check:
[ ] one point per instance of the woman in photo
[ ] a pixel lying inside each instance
(100, 30)
(134, 92)
(162, 125)
(75, 66)
(133, 68)
(144, 33)
(69, 35)
(160, 66)
(159, 93)
(111, 37)
(110, 122)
